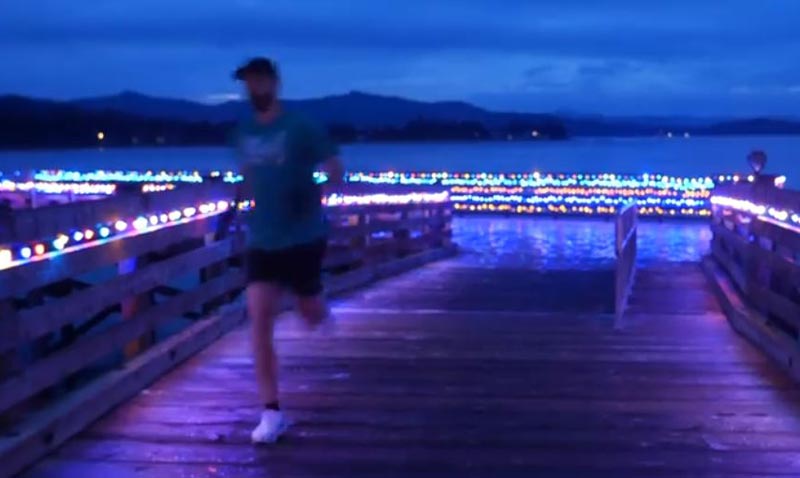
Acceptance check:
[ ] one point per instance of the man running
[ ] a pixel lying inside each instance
(279, 153)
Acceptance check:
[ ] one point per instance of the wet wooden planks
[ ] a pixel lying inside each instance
(453, 370)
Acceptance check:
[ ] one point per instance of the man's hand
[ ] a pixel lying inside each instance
(334, 170)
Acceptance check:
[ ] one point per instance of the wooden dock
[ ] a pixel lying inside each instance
(461, 367)
(453, 370)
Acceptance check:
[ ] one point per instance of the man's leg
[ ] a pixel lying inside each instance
(306, 282)
(265, 272)
(313, 308)
(263, 303)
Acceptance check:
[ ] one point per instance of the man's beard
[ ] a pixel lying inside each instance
(263, 102)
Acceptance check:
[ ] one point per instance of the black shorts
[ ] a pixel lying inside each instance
(297, 268)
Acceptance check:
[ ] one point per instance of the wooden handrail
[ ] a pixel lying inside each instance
(761, 254)
(625, 228)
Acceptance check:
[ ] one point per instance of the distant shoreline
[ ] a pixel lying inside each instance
(111, 146)
(131, 119)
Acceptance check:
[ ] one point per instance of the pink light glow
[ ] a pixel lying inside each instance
(335, 200)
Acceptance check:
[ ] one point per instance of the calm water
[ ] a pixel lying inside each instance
(544, 243)
(677, 156)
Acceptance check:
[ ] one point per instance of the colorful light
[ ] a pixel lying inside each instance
(153, 220)
(96, 189)
(77, 236)
(5, 257)
(104, 232)
(60, 242)
(38, 249)
(88, 234)
(25, 252)
(102, 176)
(335, 200)
(120, 226)
(140, 223)
(762, 211)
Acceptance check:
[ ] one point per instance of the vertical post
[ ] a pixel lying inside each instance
(446, 225)
(9, 364)
(625, 229)
(131, 306)
(402, 234)
(9, 359)
(361, 243)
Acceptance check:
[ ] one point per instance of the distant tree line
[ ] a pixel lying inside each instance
(36, 124)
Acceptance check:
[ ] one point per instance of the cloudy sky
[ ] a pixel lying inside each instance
(700, 57)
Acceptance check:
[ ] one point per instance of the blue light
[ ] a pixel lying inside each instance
(26, 252)
(60, 243)
(104, 232)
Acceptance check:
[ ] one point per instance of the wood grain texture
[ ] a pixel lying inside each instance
(461, 371)
(52, 426)
(31, 323)
(761, 255)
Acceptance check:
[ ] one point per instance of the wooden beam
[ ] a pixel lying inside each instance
(28, 324)
(86, 350)
(749, 323)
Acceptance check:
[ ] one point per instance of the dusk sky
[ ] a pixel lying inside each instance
(698, 57)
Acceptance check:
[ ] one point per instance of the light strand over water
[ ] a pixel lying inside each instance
(13, 255)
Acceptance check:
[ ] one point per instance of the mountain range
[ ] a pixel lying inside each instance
(365, 110)
(362, 110)
(355, 116)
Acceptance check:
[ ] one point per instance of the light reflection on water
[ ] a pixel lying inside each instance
(545, 243)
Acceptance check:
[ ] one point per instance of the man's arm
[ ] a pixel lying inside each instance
(334, 170)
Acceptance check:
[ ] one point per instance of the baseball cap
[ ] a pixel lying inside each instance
(257, 66)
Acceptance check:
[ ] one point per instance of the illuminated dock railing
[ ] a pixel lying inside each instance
(567, 194)
(548, 194)
(756, 267)
(41, 233)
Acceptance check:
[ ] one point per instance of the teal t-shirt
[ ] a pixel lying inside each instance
(278, 161)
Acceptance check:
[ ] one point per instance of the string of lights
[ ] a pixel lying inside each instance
(533, 179)
(13, 255)
(44, 187)
(335, 200)
(781, 216)
(510, 193)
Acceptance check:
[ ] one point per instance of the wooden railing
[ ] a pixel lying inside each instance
(625, 228)
(85, 329)
(759, 249)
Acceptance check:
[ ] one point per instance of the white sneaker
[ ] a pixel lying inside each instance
(273, 424)
(327, 327)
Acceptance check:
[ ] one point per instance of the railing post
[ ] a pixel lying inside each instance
(361, 243)
(402, 235)
(133, 305)
(625, 229)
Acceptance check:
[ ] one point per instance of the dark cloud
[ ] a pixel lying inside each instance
(622, 50)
